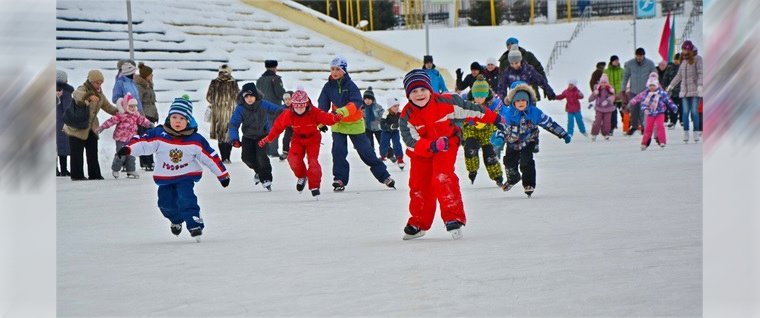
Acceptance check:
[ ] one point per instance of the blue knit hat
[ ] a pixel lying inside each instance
(341, 62)
(182, 107)
(511, 41)
(415, 79)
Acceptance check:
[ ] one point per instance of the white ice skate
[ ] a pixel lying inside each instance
(697, 136)
(455, 229)
(115, 174)
(412, 232)
(686, 136)
(133, 175)
(267, 185)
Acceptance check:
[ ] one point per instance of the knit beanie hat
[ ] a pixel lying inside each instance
(392, 101)
(511, 41)
(491, 60)
(427, 58)
(475, 66)
(61, 77)
(614, 58)
(573, 82)
(300, 99)
(604, 79)
(145, 70)
(514, 55)
(653, 79)
(521, 95)
(95, 76)
(415, 79)
(128, 69)
(341, 62)
(688, 46)
(182, 107)
(270, 63)
(480, 88)
(369, 94)
(249, 89)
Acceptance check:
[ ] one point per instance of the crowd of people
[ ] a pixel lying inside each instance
(495, 108)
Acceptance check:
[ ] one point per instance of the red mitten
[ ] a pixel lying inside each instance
(236, 144)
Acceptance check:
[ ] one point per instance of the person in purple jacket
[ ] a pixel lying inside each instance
(519, 71)
(604, 95)
(653, 103)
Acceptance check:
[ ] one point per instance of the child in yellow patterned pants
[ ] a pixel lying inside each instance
(477, 135)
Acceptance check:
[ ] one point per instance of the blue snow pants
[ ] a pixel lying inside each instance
(366, 153)
(178, 203)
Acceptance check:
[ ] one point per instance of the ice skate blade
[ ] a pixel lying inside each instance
(416, 235)
(456, 233)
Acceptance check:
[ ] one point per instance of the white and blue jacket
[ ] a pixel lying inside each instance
(177, 158)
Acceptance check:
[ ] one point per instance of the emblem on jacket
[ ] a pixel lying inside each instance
(175, 155)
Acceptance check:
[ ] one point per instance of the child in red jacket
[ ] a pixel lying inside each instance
(573, 107)
(432, 141)
(303, 118)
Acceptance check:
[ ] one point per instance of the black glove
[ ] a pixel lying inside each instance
(551, 96)
(323, 129)
(124, 151)
(225, 182)
(459, 74)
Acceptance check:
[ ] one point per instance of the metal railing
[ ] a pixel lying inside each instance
(696, 11)
(559, 46)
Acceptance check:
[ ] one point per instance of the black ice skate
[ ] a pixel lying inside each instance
(389, 182)
(315, 193)
(300, 184)
(267, 185)
(499, 182)
(284, 156)
(196, 233)
(176, 228)
(455, 228)
(256, 179)
(412, 232)
(529, 190)
(472, 176)
(338, 186)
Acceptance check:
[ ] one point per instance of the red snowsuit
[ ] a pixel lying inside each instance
(305, 141)
(432, 176)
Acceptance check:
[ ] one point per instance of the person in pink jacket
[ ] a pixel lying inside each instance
(573, 107)
(126, 122)
(604, 98)
(653, 102)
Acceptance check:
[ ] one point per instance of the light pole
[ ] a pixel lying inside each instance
(129, 29)
(427, 34)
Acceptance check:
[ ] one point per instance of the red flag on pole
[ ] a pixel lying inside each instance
(665, 39)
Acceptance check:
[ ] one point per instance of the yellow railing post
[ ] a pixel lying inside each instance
(340, 18)
(493, 14)
(327, 7)
(371, 25)
(358, 11)
(569, 12)
(532, 9)
(456, 13)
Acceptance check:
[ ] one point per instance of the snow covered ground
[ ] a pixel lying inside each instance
(610, 231)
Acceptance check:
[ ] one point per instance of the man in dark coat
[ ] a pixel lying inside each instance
(271, 88)
(63, 101)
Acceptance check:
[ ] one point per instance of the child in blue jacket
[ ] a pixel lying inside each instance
(520, 131)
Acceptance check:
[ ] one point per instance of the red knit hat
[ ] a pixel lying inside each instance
(415, 79)
(300, 99)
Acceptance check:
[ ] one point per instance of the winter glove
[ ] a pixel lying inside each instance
(699, 91)
(590, 105)
(551, 96)
(323, 128)
(337, 118)
(342, 111)
(236, 143)
(497, 139)
(440, 144)
(459, 74)
(97, 130)
(225, 181)
(124, 151)
(567, 138)
(263, 142)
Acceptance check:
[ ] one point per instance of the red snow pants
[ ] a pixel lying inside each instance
(309, 147)
(431, 180)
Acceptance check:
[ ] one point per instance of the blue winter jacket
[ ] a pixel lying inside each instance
(124, 85)
(436, 80)
(521, 127)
